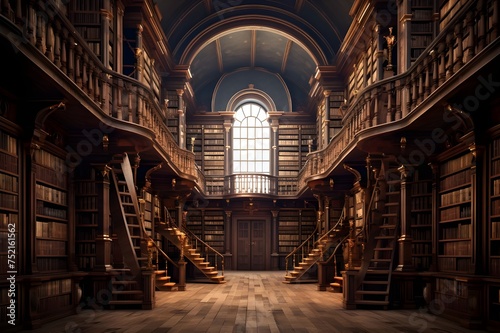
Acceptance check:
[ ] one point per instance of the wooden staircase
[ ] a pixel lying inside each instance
(320, 248)
(187, 244)
(374, 279)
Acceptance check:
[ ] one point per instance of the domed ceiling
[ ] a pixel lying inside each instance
(288, 38)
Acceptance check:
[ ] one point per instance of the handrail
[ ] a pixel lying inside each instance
(149, 238)
(300, 247)
(332, 229)
(197, 240)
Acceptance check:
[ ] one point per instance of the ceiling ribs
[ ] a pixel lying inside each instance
(252, 48)
(208, 5)
(286, 53)
(219, 55)
(298, 5)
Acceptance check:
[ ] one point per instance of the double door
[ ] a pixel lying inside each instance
(251, 244)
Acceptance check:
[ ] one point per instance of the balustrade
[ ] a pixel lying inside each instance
(45, 26)
(397, 97)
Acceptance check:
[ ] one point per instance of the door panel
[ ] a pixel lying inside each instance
(251, 245)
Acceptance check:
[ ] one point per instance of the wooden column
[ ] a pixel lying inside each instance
(103, 239)
(405, 240)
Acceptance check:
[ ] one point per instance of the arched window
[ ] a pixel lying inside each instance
(251, 140)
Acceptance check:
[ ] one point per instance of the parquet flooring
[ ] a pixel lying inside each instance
(251, 302)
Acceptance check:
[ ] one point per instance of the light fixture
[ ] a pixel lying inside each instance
(105, 142)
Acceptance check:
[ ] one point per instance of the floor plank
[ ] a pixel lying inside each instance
(251, 302)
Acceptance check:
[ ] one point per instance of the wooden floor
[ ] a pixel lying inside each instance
(251, 302)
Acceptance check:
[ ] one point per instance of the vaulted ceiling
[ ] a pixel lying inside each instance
(288, 38)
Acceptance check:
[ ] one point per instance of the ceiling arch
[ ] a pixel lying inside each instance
(288, 37)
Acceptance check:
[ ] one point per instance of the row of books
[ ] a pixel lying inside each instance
(86, 203)
(53, 288)
(85, 187)
(86, 234)
(421, 248)
(85, 248)
(8, 163)
(495, 167)
(496, 187)
(8, 218)
(9, 183)
(9, 201)
(421, 202)
(421, 263)
(421, 234)
(495, 207)
(50, 161)
(52, 264)
(455, 164)
(420, 187)
(86, 262)
(421, 219)
(458, 196)
(456, 212)
(8, 143)
(495, 266)
(42, 209)
(52, 177)
(461, 231)
(495, 230)
(458, 248)
(457, 179)
(454, 264)
(288, 237)
(51, 229)
(51, 194)
(51, 247)
(209, 238)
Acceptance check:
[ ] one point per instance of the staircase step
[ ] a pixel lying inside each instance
(384, 237)
(390, 215)
(376, 282)
(125, 302)
(365, 302)
(163, 278)
(126, 292)
(378, 271)
(369, 292)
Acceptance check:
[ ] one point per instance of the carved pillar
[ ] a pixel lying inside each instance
(326, 118)
(106, 17)
(139, 57)
(405, 240)
(227, 140)
(274, 240)
(103, 239)
(227, 232)
(182, 120)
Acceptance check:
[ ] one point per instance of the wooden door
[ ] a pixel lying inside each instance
(251, 245)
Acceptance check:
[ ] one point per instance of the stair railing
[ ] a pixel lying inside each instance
(302, 250)
(152, 243)
(197, 242)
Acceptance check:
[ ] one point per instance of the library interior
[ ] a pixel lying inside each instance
(148, 146)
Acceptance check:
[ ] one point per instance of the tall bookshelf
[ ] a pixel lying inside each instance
(421, 222)
(213, 151)
(213, 228)
(307, 223)
(52, 231)
(335, 115)
(173, 113)
(454, 229)
(86, 18)
(307, 135)
(9, 214)
(494, 207)
(86, 219)
(422, 26)
(288, 150)
(288, 230)
(194, 140)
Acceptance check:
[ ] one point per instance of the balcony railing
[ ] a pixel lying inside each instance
(39, 26)
(44, 27)
(474, 29)
(250, 184)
